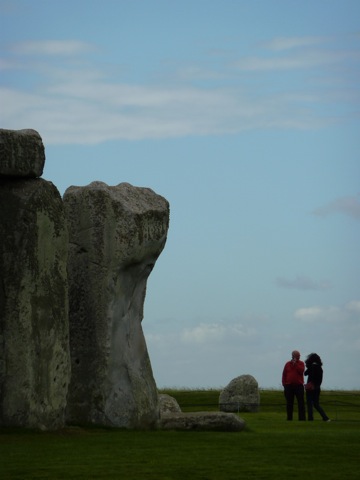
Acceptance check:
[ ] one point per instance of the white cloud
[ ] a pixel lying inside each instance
(302, 283)
(353, 306)
(349, 206)
(71, 101)
(293, 53)
(286, 43)
(215, 332)
(95, 111)
(301, 60)
(328, 314)
(315, 314)
(52, 47)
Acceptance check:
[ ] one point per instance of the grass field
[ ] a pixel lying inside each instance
(269, 447)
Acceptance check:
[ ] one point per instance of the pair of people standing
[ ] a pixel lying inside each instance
(293, 383)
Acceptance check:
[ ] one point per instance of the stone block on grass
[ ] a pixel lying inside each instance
(202, 421)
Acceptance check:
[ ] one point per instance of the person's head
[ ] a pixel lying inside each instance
(313, 358)
(295, 354)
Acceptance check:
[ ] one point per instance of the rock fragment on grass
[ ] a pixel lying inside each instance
(202, 421)
(168, 404)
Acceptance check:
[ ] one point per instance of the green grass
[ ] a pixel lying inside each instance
(339, 405)
(269, 447)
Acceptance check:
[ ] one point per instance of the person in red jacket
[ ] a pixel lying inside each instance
(293, 383)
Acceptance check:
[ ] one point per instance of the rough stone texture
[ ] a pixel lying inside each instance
(240, 395)
(215, 421)
(168, 404)
(116, 236)
(22, 153)
(34, 343)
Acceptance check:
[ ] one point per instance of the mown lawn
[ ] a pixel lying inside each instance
(269, 447)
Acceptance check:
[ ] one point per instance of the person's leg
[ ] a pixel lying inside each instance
(289, 396)
(309, 403)
(316, 396)
(299, 392)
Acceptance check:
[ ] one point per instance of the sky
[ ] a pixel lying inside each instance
(244, 115)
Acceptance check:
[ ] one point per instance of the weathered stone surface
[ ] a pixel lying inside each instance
(215, 421)
(22, 153)
(116, 236)
(34, 344)
(168, 404)
(240, 395)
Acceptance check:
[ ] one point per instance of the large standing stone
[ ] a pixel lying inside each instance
(34, 344)
(240, 395)
(22, 153)
(116, 235)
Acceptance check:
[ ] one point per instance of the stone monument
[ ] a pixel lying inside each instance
(116, 235)
(34, 332)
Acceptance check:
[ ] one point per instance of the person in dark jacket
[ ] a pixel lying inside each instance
(314, 372)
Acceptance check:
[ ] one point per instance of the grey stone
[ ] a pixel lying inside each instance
(202, 421)
(116, 236)
(34, 343)
(240, 395)
(168, 404)
(22, 153)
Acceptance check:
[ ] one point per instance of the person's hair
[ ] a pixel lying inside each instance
(313, 358)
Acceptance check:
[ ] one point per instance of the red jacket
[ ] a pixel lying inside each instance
(293, 373)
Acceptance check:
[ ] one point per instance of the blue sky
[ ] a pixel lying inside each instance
(245, 116)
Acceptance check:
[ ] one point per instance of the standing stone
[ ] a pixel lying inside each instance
(22, 153)
(240, 395)
(116, 236)
(34, 344)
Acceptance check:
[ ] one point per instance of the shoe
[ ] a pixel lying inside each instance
(328, 420)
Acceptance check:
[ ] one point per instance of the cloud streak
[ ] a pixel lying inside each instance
(329, 314)
(349, 206)
(216, 332)
(73, 101)
(289, 43)
(299, 61)
(96, 112)
(52, 47)
(302, 283)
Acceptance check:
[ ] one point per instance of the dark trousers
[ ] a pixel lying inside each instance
(312, 400)
(290, 392)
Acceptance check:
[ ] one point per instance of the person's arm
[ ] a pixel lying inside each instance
(283, 380)
(285, 372)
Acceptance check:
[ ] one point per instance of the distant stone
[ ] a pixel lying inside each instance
(34, 330)
(168, 404)
(240, 395)
(202, 421)
(116, 235)
(22, 153)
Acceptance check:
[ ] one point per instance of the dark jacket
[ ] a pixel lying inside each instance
(314, 373)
